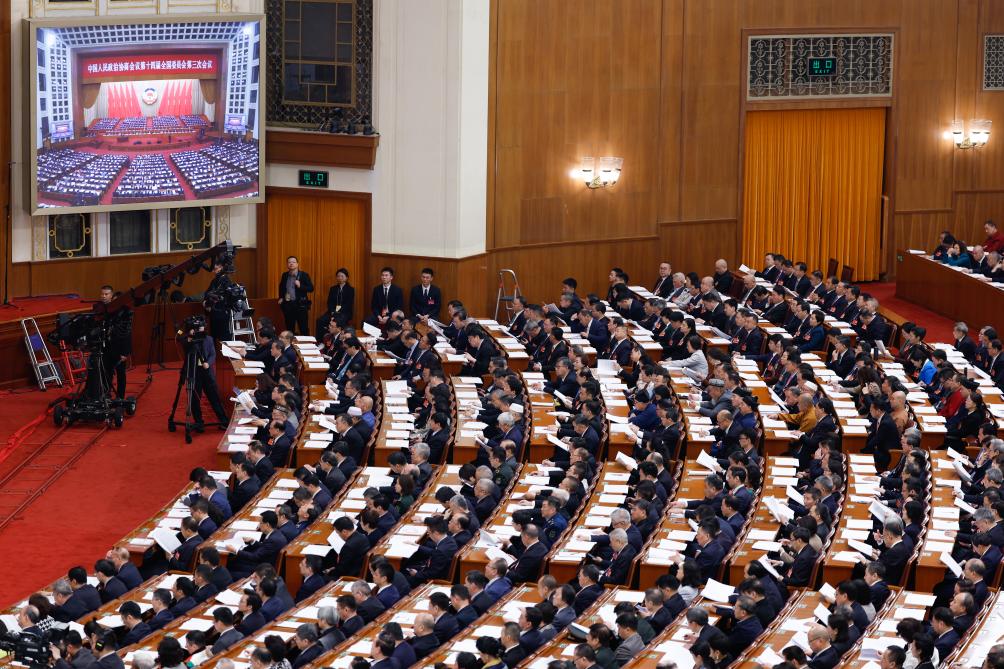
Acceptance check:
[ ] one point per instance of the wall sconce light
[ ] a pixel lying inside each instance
(979, 134)
(600, 173)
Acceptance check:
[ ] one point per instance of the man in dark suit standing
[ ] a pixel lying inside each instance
(426, 300)
(295, 287)
(386, 299)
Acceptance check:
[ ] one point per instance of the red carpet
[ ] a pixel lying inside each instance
(939, 328)
(23, 307)
(123, 479)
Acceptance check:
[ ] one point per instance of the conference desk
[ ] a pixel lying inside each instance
(882, 630)
(506, 610)
(949, 291)
(314, 435)
(396, 422)
(562, 646)
(532, 478)
(609, 494)
(788, 629)
(674, 532)
(320, 537)
(985, 633)
(139, 541)
(403, 613)
(242, 527)
(672, 645)
(403, 542)
(199, 618)
(285, 625)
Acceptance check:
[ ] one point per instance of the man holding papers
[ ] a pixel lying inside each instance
(264, 550)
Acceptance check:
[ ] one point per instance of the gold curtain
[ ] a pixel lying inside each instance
(208, 88)
(813, 187)
(324, 233)
(89, 94)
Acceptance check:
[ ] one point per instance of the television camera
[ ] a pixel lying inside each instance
(31, 649)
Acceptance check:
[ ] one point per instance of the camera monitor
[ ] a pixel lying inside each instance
(144, 113)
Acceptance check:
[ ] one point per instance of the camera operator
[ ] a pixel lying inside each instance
(103, 648)
(200, 354)
(71, 653)
(216, 304)
(119, 345)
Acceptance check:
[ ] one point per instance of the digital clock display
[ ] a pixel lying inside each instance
(313, 179)
(822, 67)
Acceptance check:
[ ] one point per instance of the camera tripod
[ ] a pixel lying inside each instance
(92, 400)
(188, 380)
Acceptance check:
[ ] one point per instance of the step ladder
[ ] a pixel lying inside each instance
(242, 326)
(45, 368)
(508, 289)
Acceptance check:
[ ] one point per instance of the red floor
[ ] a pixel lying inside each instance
(939, 328)
(123, 479)
(23, 307)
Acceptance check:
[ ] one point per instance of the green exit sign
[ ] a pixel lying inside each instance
(822, 67)
(313, 179)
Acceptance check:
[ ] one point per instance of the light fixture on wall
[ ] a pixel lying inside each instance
(601, 172)
(979, 134)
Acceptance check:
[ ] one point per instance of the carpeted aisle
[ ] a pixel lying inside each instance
(939, 328)
(123, 479)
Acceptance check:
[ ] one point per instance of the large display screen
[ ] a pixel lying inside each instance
(143, 113)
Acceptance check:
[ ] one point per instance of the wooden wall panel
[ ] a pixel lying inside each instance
(555, 88)
(925, 105)
(540, 269)
(694, 246)
(85, 276)
(331, 230)
(590, 88)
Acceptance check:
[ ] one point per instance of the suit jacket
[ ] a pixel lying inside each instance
(439, 562)
(308, 655)
(84, 599)
(302, 296)
(710, 558)
(585, 597)
(424, 645)
(136, 634)
(266, 550)
(514, 655)
(946, 642)
(620, 565)
(564, 617)
(184, 555)
(227, 639)
(183, 606)
(895, 559)
(381, 304)
(467, 615)
(743, 634)
(446, 627)
(244, 491)
(389, 596)
(352, 556)
(482, 602)
(251, 623)
(628, 648)
(527, 567)
(313, 583)
(801, 569)
(272, 608)
(826, 659)
(531, 640)
(370, 608)
(161, 618)
(129, 575)
(425, 306)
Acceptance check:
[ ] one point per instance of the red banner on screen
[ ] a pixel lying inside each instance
(149, 66)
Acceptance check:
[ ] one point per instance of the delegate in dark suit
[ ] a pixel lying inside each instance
(425, 301)
(352, 556)
(385, 301)
(83, 600)
(527, 567)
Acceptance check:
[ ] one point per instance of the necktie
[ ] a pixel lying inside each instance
(425, 292)
(386, 289)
